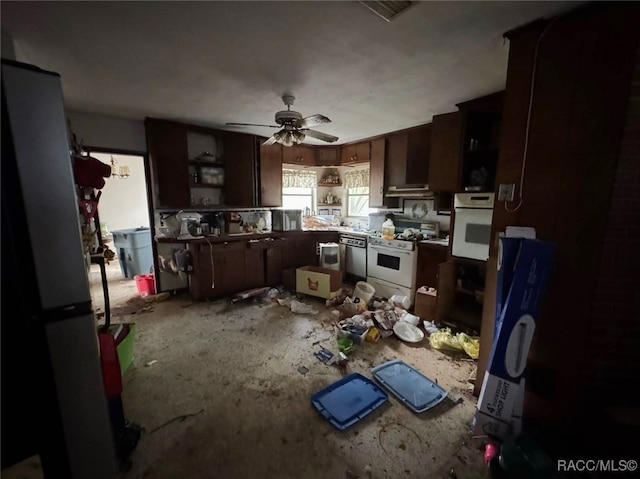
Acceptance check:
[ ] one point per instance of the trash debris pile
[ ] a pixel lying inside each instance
(358, 318)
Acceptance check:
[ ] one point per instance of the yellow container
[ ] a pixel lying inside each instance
(373, 335)
(388, 229)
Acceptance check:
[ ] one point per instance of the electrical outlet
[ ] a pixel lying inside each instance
(506, 192)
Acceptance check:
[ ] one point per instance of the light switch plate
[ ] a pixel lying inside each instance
(506, 192)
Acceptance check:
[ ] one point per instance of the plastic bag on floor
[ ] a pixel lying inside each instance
(445, 340)
(301, 308)
(470, 345)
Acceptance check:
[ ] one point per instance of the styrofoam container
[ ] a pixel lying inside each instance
(411, 319)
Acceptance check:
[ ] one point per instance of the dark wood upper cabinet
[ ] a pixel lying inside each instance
(271, 175)
(355, 153)
(376, 173)
(396, 159)
(418, 154)
(168, 158)
(299, 155)
(407, 157)
(446, 143)
(241, 170)
(481, 129)
(327, 155)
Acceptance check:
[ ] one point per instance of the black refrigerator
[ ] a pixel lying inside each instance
(53, 399)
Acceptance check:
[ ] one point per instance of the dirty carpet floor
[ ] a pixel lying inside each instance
(226, 399)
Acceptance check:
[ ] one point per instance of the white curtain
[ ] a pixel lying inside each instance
(356, 178)
(299, 179)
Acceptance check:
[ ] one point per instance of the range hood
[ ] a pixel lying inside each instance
(409, 191)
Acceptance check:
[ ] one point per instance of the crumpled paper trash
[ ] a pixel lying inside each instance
(301, 308)
(445, 340)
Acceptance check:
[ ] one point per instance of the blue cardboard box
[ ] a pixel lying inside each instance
(523, 285)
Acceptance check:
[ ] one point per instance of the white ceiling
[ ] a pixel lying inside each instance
(215, 62)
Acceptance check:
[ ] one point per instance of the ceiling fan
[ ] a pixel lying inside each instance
(294, 128)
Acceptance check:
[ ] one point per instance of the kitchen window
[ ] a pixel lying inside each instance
(357, 188)
(299, 189)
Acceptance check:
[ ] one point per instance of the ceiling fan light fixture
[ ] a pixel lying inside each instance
(298, 136)
(288, 139)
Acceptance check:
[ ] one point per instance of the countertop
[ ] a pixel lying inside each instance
(241, 236)
(436, 242)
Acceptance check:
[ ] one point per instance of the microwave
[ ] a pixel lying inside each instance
(286, 220)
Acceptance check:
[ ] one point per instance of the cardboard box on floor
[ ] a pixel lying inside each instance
(425, 306)
(521, 291)
(317, 281)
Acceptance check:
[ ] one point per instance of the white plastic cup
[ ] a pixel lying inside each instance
(364, 291)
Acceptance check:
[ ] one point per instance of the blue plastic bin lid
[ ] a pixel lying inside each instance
(415, 390)
(348, 400)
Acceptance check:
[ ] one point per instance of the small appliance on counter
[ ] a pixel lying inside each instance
(286, 220)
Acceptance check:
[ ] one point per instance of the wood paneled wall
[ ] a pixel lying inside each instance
(583, 76)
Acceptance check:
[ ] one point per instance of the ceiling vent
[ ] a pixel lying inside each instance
(387, 10)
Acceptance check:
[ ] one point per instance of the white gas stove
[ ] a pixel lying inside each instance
(391, 267)
(400, 244)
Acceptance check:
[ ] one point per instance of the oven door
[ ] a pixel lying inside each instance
(472, 233)
(392, 265)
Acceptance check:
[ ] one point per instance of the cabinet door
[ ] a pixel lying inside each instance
(396, 158)
(355, 153)
(418, 153)
(271, 175)
(429, 259)
(273, 261)
(363, 152)
(446, 290)
(446, 139)
(298, 155)
(254, 268)
(376, 173)
(207, 277)
(234, 269)
(241, 174)
(327, 156)
(168, 158)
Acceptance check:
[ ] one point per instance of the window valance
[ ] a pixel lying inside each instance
(356, 178)
(298, 179)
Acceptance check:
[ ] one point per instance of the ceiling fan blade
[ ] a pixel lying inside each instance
(252, 124)
(310, 121)
(320, 136)
(270, 141)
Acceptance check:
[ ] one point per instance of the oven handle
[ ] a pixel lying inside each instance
(386, 248)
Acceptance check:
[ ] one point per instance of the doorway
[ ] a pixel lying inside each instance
(125, 228)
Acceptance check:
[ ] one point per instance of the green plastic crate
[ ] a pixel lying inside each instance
(124, 345)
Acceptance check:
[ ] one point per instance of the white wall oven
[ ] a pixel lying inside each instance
(391, 267)
(472, 225)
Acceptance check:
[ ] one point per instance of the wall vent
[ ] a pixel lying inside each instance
(387, 10)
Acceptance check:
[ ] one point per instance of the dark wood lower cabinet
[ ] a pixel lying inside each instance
(429, 259)
(218, 269)
(223, 269)
(254, 267)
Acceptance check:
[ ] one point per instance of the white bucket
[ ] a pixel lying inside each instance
(364, 291)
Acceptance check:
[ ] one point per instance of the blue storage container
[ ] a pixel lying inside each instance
(133, 247)
(348, 400)
(410, 386)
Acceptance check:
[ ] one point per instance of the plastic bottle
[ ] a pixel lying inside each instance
(388, 229)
